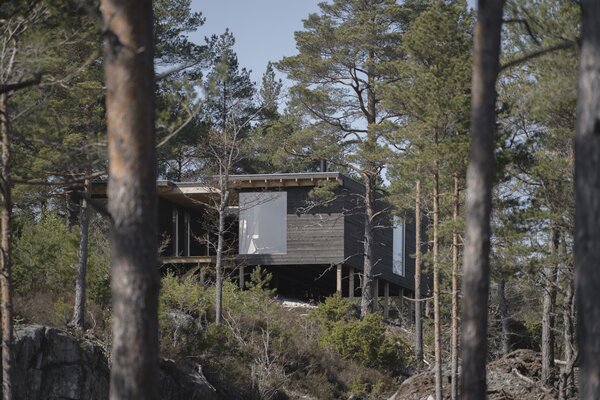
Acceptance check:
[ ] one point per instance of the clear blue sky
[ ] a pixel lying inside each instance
(263, 29)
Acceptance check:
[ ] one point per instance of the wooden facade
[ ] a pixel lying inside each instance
(324, 238)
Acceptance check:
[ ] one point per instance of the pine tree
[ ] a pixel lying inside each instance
(340, 72)
(433, 92)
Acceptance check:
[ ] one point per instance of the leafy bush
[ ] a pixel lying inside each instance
(44, 270)
(335, 309)
(46, 255)
(183, 309)
(363, 341)
(263, 351)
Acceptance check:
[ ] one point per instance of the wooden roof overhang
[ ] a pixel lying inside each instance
(283, 180)
(199, 194)
(184, 193)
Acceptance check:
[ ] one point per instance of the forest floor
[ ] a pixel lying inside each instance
(513, 377)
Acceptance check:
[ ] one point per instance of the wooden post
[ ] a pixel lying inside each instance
(411, 310)
(376, 295)
(386, 300)
(338, 282)
(401, 304)
(242, 277)
(351, 282)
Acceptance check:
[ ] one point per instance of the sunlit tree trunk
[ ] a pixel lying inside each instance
(6, 306)
(476, 275)
(132, 199)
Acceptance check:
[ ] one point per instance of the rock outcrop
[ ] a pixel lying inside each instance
(50, 364)
(53, 365)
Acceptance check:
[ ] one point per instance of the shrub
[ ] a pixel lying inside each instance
(45, 259)
(363, 341)
(45, 256)
(335, 309)
(183, 307)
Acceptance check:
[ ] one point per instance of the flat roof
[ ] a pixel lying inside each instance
(205, 187)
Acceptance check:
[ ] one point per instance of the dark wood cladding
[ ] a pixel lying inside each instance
(319, 234)
(333, 234)
(354, 244)
(315, 235)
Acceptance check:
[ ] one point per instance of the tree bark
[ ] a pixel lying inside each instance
(129, 74)
(366, 301)
(587, 201)
(224, 199)
(437, 330)
(503, 310)
(567, 383)
(476, 274)
(455, 294)
(80, 284)
(369, 175)
(6, 307)
(418, 306)
(549, 303)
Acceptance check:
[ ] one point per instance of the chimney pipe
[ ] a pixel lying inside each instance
(323, 166)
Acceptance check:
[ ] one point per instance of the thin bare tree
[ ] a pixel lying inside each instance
(455, 294)
(418, 306)
(12, 30)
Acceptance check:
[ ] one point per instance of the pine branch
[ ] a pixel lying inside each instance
(567, 44)
(11, 87)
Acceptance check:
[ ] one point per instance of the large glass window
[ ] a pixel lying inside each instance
(399, 233)
(263, 223)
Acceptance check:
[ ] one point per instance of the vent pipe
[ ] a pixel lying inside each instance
(323, 166)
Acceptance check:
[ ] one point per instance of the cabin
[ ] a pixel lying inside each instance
(305, 228)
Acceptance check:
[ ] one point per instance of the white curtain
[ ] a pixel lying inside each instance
(263, 223)
(398, 258)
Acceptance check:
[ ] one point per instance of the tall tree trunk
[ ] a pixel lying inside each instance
(567, 382)
(476, 274)
(587, 206)
(80, 284)
(418, 306)
(437, 329)
(132, 199)
(455, 294)
(224, 200)
(6, 308)
(549, 303)
(503, 310)
(369, 176)
(366, 301)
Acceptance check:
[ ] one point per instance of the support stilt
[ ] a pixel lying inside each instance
(386, 300)
(351, 282)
